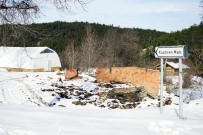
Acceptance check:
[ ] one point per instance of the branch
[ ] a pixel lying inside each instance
(25, 5)
(18, 7)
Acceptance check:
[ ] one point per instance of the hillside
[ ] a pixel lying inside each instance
(59, 35)
(192, 37)
(112, 46)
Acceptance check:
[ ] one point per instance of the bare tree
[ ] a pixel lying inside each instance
(16, 14)
(23, 11)
(17, 11)
(90, 49)
(71, 55)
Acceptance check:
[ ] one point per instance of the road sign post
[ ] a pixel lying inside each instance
(172, 52)
(180, 90)
(161, 88)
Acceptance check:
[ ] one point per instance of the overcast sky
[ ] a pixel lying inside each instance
(162, 15)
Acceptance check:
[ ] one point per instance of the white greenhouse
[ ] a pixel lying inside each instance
(29, 59)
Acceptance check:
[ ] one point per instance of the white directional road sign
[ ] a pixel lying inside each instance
(179, 51)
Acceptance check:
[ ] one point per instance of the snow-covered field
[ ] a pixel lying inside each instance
(25, 100)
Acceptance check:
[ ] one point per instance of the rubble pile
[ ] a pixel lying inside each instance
(106, 95)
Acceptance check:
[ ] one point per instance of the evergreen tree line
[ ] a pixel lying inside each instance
(112, 46)
(192, 37)
(85, 45)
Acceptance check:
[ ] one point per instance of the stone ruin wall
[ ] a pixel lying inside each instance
(148, 78)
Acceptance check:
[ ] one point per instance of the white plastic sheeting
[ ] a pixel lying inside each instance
(29, 58)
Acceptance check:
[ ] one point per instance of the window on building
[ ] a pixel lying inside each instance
(47, 51)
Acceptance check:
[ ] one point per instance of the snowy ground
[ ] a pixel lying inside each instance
(32, 120)
(21, 95)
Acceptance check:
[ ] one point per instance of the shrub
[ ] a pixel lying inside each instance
(187, 80)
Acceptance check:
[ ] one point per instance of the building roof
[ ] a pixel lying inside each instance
(176, 65)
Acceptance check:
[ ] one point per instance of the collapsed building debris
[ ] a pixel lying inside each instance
(123, 88)
(105, 95)
(147, 78)
(71, 73)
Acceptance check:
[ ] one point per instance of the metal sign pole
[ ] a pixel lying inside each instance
(180, 90)
(161, 89)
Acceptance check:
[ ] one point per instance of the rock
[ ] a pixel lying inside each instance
(49, 90)
(127, 94)
(168, 101)
(101, 100)
(114, 101)
(79, 102)
(114, 82)
(102, 97)
(76, 93)
(122, 101)
(87, 95)
(51, 104)
(101, 93)
(102, 106)
(112, 105)
(106, 85)
(62, 105)
(142, 90)
(129, 106)
(91, 101)
(71, 73)
(81, 98)
(121, 91)
(63, 95)
(57, 84)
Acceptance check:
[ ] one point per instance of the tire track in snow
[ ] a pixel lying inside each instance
(3, 98)
(8, 93)
(10, 89)
(18, 92)
(14, 90)
(36, 96)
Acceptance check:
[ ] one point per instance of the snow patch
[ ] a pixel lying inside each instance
(3, 70)
(89, 86)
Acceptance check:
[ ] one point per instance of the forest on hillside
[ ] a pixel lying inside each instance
(110, 46)
(192, 37)
(85, 45)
